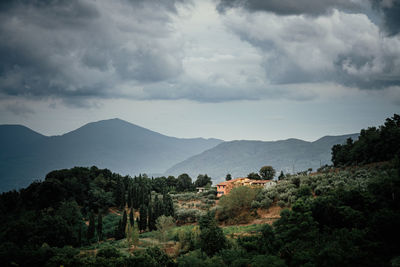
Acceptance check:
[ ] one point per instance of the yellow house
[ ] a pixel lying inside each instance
(225, 187)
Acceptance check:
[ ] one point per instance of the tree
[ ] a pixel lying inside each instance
(158, 207)
(238, 201)
(129, 233)
(203, 180)
(152, 218)
(143, 218)
(267, 172)
(168, 206)
(254, 176)
(124, 220)
(91, 228)
(120, 231)
(163, 224)
(212, 238)
(135, 235)
(100, 227)
(184, 183)
(228, 177)
(120, 193)
(171, 181)
(131, 218)
(281, 176)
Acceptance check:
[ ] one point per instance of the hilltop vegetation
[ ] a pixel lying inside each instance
(373, 145)
(346, 216)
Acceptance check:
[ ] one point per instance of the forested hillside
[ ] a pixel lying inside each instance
(242, 157)
(114, 144)
(339, 216)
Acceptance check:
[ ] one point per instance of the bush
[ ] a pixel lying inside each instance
(164, 224)
(159, 256)
(108, 252)
(238, 201)
(266, 203)
(187, 215)
(255, 204)
(110, 223)
(281, 203)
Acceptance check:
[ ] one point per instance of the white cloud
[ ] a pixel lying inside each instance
(340, 47)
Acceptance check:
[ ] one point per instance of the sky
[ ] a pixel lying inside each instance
(228, 69)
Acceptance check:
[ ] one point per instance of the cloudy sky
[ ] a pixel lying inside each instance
(230, 69)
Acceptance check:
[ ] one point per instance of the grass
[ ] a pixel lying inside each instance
(228, 230)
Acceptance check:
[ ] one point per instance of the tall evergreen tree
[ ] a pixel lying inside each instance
(143, 218)
(131, 218)
(129, 199)
(91, 228)
(158, 207)
(124, 221)
(80, 235)
(123, 202)
(152, 218)
(120, 231)
(212, 238)
(168, 205)
(120, 193)
(100, 227)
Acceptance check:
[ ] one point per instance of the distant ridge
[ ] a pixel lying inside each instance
(121, 146)
(239, 158)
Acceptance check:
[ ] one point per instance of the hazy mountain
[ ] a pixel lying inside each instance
(115, 144)
(239, 158)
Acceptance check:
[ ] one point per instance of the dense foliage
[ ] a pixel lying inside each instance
(373, 145)
(339, 217)
(67, 208)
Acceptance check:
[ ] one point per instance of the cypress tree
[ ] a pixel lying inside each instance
(100, 227)
(159, 207)
(123, 200)
(123, 224)
(91, 227)
(129, 200)
(168, 205)
(131, 218)
(118, 231)
(80, 235)
(143, 218)
(118, 192)
(152, 218)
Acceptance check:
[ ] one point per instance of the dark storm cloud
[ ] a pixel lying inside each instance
(290, 7)
(77, 49)
(390, 10)
(339, 47)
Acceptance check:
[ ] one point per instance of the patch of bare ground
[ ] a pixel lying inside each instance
(267, 215)
(264, 216)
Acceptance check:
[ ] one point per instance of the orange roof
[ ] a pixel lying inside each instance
(260, 181)
(241, 178)
(230, 181)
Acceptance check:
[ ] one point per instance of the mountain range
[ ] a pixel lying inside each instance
(239, 158)
(125, 148)
(115, 144)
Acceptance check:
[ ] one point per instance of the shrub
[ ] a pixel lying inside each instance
(187, 215)
(266, 203)
(164, 224)
(108, 252)
(255, 204)
(281, 203)
(236, 202)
